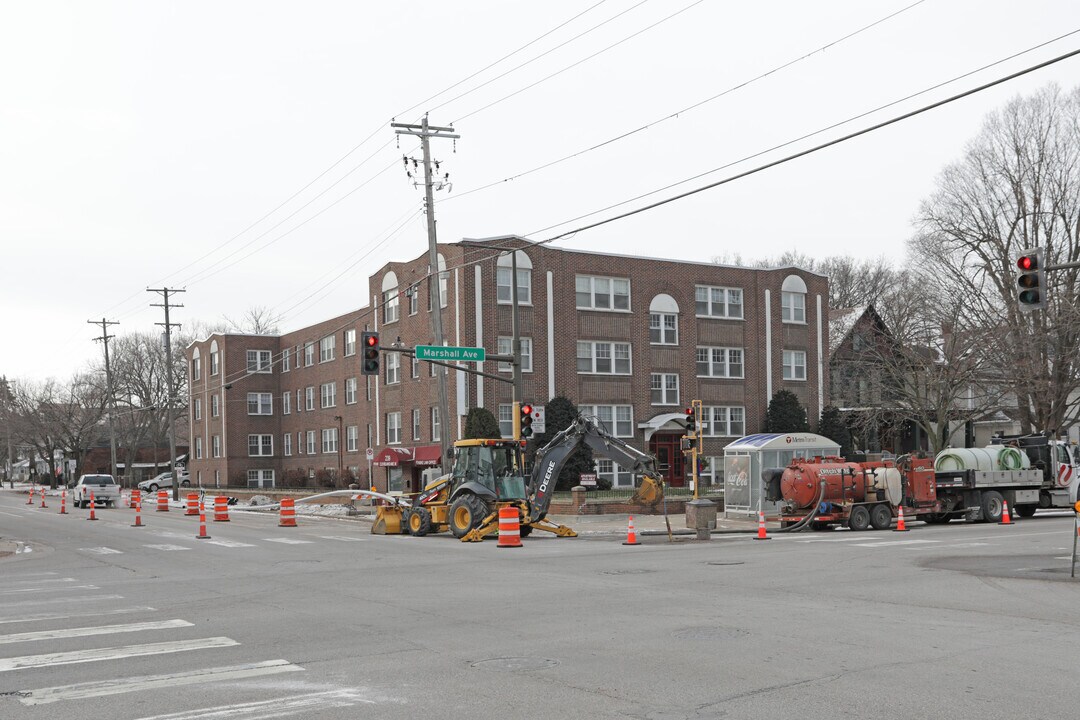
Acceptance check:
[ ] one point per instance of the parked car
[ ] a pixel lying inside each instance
(164, 480)
(103, 487)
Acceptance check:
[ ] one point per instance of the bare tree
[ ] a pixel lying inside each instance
(1017, 186)
(256, 320)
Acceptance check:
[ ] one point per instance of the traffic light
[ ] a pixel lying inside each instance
(691, 422)
(1031, 280)
(526, 420)
(369, 364)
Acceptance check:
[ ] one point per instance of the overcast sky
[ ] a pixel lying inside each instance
(150, 144)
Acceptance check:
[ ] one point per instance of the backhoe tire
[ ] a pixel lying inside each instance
(525, 530)
(419, 522)
(881, 517)
(466, 513)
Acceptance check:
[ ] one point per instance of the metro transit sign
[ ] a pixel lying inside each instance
(450, 353)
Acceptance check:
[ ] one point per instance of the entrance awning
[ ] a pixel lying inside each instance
(392, 457)
(427, 455)
(665, 421)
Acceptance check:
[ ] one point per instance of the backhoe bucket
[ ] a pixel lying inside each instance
(387, 521)
(649, 492)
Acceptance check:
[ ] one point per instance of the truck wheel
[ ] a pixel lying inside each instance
(1026, 511)
(881, 517)
(465, 514)
(859, 519)
(419, 522)
(991, 506)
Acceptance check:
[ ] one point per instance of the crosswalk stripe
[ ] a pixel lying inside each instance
(87, 631)
(289, 541)
(114, 653)
(20, 591)
(280, 707)
(228, 543)
(343, 538)
(101, 688)
(54, 601)
(167, 548)
(43, 580)
(894, 542)
(102, 551)
(65, 616)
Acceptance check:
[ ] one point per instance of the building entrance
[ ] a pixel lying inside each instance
(670, 462)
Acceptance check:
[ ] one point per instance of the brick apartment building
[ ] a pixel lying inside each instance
(630, 340)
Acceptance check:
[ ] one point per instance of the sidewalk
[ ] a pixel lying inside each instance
(616, 525)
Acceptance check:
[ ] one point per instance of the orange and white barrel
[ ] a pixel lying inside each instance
(509, 527)
(163, 501)
(288, 513)
(221, 509)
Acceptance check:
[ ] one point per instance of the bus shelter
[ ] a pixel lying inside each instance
(747, 457)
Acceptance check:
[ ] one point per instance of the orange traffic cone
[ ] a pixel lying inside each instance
(631, 536)
(900, 527)
(138, 514)
(92, 515)
(1005, 518)
(202, 523)
(30, 500)
(43, 497)
(63, 502)
(761, 534)
(509, 527)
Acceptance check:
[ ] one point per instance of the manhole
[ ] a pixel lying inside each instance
(627, 572)
(710, 633)
(515, 664)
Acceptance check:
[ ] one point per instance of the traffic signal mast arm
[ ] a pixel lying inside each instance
(411, 352)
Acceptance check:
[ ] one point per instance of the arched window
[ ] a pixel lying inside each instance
(793, 300)
(215, 358)
(664, 320)
(196, 365)
(443, 275)
(390, 299)
(504, 278)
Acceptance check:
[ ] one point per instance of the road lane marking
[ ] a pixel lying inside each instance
(81, 691)
(289, 541)
(14, 515)
(43, 580)
(65, 616)
(20, 591)
(839, 539)
(281, 707)
(88, 631)
(54, 601)
(102, 551)
(890, 543)
(113, 653)
(229, 543)
(343, 538)
(167, 548)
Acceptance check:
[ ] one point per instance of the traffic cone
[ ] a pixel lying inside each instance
(92, 515)
(30, 500)
(138, 514)
(761, 534)
(631, 536)
(63, 502)
(202, 524)
(43, 497)
(509, 527)
(1005, 518)
(900, 527)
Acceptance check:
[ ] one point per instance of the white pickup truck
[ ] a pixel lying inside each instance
(103, 487)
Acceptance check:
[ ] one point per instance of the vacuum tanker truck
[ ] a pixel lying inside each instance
(1028, 472)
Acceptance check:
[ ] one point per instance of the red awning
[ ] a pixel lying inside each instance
(427, 455)
(392, 457)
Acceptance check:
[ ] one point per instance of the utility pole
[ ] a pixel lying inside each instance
(164, 292)
(425, 132)
(105, 337)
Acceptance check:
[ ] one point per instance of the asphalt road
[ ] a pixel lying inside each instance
(103, 620)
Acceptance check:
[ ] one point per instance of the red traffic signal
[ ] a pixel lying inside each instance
(526, 420)
(1031, 280)
(691, 421)
(1027, 262)
(369, 365)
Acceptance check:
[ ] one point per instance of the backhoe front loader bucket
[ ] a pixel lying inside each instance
(387, 520)
(649, 492)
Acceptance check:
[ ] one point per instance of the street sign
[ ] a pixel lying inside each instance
(538, 419)
(450, 354)
(370, 452)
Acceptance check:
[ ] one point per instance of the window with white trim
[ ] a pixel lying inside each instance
(613, 474)
(215, 445)
(299, 401)
(793, 307)
(310, 442)
(616, 419)
(794, 364)
(215, 405)
(258, 361)
(198, 408)
(196, 366)
(436, 428)
(723, 421)
(712, 472)
(329, 440)
(260, 478)
(350, 391)
(328, 395)
(260, 404)
(663, 329)
(286, 444)
(504, 287)
(506, 345)
(260, 445)
(215, 359)
(391, 300)
(309, 397)
(416, 424)
(506, 420)
(602, 293)
(719, 362)
(286, 402)
(350, 342)
(393, 367)
(299, 443)
(603, 358)
(413, 293)
(665, 389)
(326, 348)
(352, 438)
(309, 354)
(718, 302)
(286, 356)
(415, 368)
(198, 448)
(444, 278)
(393, 428)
